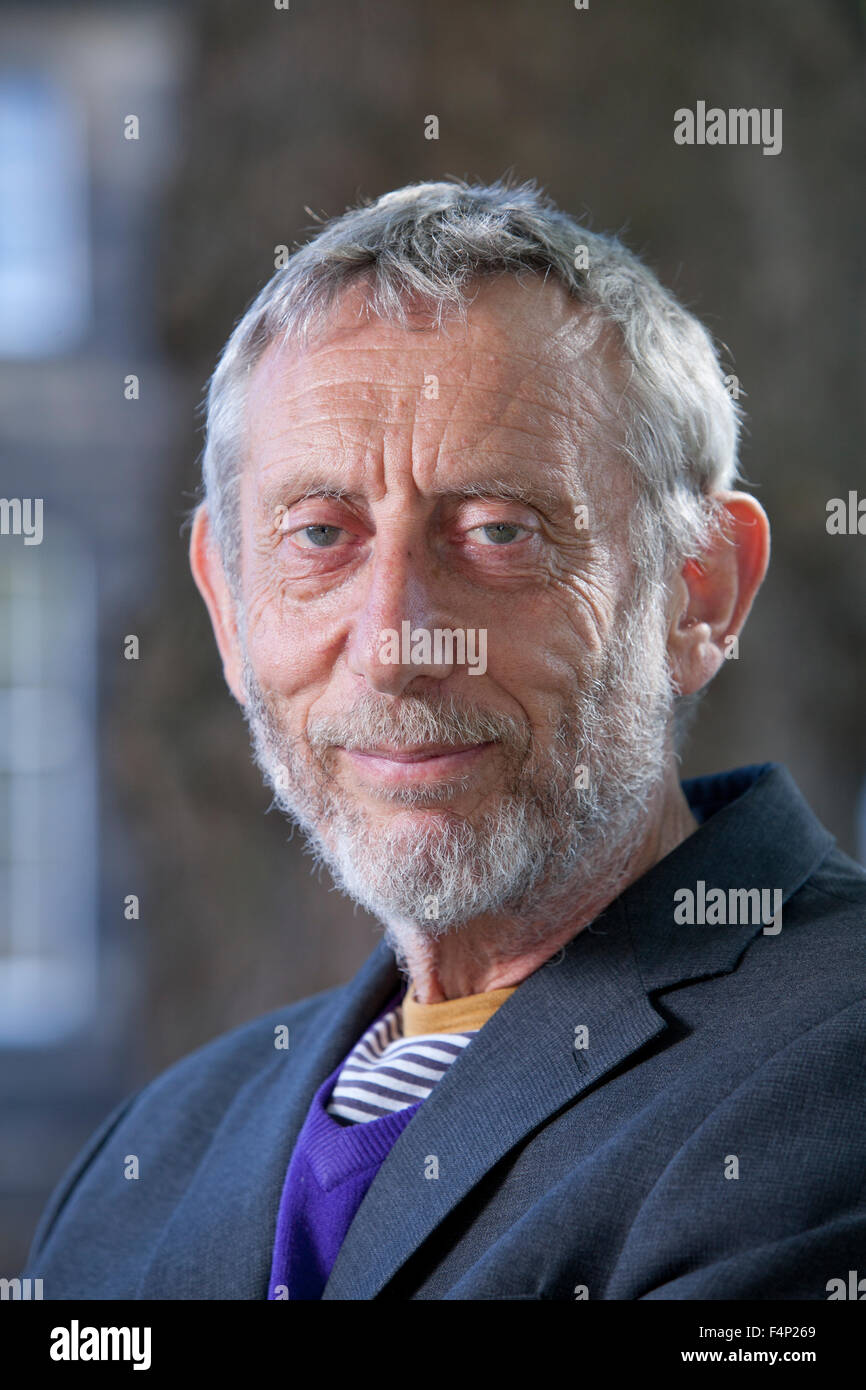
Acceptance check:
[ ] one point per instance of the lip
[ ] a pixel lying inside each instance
(416, 764)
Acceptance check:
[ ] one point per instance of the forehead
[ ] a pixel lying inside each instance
(529, 372)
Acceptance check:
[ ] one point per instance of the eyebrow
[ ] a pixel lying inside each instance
(531, 493)
(534, 494)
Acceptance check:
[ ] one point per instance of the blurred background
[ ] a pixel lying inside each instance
(129, 247)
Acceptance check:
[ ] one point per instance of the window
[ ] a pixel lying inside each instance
(47, 788)
(44, 246)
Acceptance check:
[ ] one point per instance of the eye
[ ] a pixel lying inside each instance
(499, 532)
(321, 537)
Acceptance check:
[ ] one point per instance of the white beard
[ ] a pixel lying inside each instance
(541, 845)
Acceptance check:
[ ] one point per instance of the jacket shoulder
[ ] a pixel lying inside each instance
(841, 877)
(232, 1056)
(198, 1086)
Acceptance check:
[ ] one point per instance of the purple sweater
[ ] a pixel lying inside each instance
(330, 1170)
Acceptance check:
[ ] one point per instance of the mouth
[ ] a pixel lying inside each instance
(418, 763)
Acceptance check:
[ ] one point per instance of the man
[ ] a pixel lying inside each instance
(471, 552)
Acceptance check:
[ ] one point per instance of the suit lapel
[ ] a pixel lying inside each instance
(521, 1068)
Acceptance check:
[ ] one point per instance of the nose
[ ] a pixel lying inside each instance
(392, 639)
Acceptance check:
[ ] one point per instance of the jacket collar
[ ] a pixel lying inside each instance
(756, 830)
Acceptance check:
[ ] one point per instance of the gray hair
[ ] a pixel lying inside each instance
(431, 241)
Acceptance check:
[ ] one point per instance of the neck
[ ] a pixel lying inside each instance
(474, 960)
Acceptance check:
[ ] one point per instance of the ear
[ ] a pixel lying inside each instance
(207, 568)
(712, 596)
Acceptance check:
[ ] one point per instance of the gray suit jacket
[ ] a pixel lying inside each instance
(709, 1141)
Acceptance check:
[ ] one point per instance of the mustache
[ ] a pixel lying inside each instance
(416, 720)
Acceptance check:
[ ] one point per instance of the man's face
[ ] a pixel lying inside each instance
(465, 480)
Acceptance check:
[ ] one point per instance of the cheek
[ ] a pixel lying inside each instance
(285, 648)
(559, 639)
(538, 669)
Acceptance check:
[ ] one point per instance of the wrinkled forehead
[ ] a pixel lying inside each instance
(516, 329)
(528, 372)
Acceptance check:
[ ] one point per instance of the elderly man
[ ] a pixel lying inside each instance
(471, 552)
